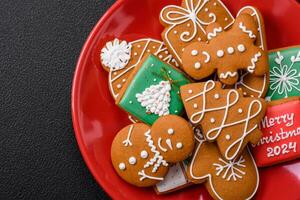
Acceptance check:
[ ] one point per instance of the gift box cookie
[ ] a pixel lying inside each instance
(152, 90)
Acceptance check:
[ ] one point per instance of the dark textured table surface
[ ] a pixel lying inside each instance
(40, 43)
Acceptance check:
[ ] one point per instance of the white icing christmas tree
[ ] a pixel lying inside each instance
(156, 98)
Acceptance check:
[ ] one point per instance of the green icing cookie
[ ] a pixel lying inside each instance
(284, 74)
(154, 91)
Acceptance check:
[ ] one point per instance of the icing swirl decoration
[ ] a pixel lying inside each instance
(116, 54)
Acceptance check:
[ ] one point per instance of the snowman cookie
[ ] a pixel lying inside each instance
(226, 52)
(119, 58)
(225, 116)
(236, 179)
(142, 155)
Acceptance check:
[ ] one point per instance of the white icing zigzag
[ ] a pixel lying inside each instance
(228, 74)
(244, 29)
(254, 60)
(214, 33)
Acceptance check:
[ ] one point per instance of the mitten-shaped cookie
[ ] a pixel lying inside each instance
(226, 52)
(237, 179)
(141, 155)
(224, 115)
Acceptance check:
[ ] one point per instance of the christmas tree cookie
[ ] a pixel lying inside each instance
(152, 90)
(284, 73)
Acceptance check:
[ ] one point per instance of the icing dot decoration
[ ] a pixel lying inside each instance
(227, 137)
(124, 80)
(175, 32)
(179, 145)
(230, 50)
(240, 110)
(197, 65)
(195, 105)
(241, 48)
(190, 91)
(119, 86)
(148, 50)
(122, 166)
(170, 131)
(194, 52)
(220, 53)
(144, 154)
(130, 102)
(212, 120)
(217, 96)
(132, 160)
(206, 9)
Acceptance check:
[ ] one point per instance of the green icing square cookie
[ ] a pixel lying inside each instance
(153, 91)
(284, 73)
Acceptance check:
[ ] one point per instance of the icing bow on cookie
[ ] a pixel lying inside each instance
(141, 154)
(226, 52)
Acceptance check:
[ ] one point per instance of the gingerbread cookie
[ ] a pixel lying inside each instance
(186, 24)
(251, 85)
(281, 133)
(141, 155)
(284, 73)
(224, 115)
(120, 57)
(227, 52)
(152, 90)
(236, 179)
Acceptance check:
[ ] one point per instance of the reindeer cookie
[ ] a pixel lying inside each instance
(236, 179)
(224, 115)
(119, 58)
(226, 52)
(186, 24)
(141, 155)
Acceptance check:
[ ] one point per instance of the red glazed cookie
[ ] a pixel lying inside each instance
(186, 24)
(119, 58)
(224, 115)
(237, 179)
(227, 52)
(141, 155)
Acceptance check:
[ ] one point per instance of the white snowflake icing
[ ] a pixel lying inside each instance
(231, 169)
(283, 78)
(156, 98)
(116, 54)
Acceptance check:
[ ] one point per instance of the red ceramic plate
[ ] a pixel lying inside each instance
(97, 119)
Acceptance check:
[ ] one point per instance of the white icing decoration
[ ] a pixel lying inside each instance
(206, 9)
(254, 60)
(214, 33)
(230, 50)
(119, 86)
(160, 56)
(135, 53)
(195, 105)
(169, 143)
(197, 65)
(188, 25)
(228, 74)
(212, 120)
(156, 98)
(230, 169)
(170, 131)
(241, 82)
(157, 160)
(130, 102)
(240, 110)
(190, 91)
(132, 160)
(139, 46)
(188, 14)
(122, 166)
(220, 53)
(283, 78)
(227, 137)
(124, 80)
(209, 176)
(154, 80)
(179, 145)
(154, 47)
(217, 96)
(175, 32)
(231, 99)
(226, 19)
(116, 54)
(244, 29)
(159, 145)
(144, 154)
(127, 141)
(241, 48)
(144, 176)
(194, 52)
(207, 56)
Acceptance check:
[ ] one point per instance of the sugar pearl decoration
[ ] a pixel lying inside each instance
(194, 52)
(179, 145)
(220, 53)
(197, 65)
(240, 110)
(132, 160)
(230, 50)
(170, 131)
(144, 154)
(217, 96)
(241, 48)
(227, 137)
(122, 166)
(212, 120)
